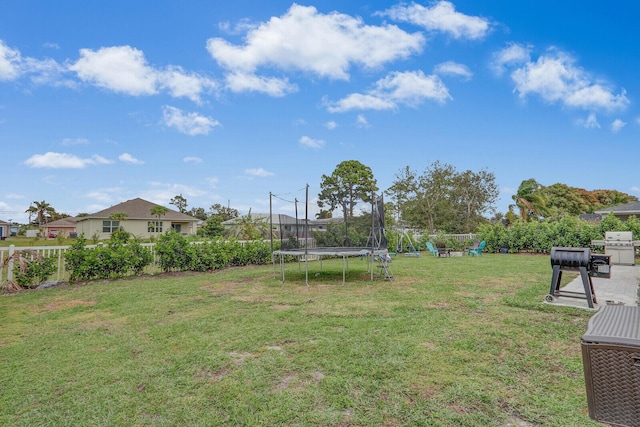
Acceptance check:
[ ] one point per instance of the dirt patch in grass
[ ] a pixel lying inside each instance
(62, 305)
(282, 307)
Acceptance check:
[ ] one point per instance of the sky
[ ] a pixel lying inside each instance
(248, 103)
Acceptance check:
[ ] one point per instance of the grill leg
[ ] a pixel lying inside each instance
(555, 281)
(588, 286)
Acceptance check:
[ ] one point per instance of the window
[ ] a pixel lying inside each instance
(177, 228)
(110, 226)
(154, 227)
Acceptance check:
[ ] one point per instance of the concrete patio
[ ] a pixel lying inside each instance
(621, 288)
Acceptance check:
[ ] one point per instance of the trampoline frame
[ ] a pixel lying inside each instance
(376, 237)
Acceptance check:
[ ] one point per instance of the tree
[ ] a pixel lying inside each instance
(475, 193)
(250, 228)
(443, 199)
(199, 213)
(350, 182)
(530, 199)
(120, 217)
(179, 202)
(324, 214)
(426, 200)
(42, 210)
(223, 213)
(564, 200)
(157, 211)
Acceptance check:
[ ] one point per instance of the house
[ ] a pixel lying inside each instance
(5, 229)
(139, 221)
(283, 226)
(622, 211)
(64, 226)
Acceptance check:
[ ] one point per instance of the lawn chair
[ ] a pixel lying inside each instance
(442, 249)
(479, 249)
(431, 249)
(475, 246)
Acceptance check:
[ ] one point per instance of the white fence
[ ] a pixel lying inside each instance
(460, 237)
(55, 252)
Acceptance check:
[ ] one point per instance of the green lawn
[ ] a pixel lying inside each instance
(452, 342)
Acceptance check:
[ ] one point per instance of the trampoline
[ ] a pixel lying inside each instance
(376, 245)
(344, 253)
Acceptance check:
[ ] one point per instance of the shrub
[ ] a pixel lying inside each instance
(32, 268)
(174, 251)
(117, 259)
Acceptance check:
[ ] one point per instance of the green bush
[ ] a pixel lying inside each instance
(33, 269)
(541, 236)
(120, 257)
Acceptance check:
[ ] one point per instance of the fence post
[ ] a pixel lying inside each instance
(12, 249)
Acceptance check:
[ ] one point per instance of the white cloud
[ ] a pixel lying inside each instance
(555, 78)
(183, 84)
(591, 122)
(397, 88)
(14, 66)
(331, 125)
(128, 158)
(63, 161)
(192, 159)
(118, 68)
(442, 17)
(361, 121)
(512, 55)
(452, 68)
(617, 125)
(74, 141)
(311, 143)
(10, 61)
(106, 195)
(124, 69)
(161, 193)
(188, 123)
(259, 172)
(305, 40)
(247, 82)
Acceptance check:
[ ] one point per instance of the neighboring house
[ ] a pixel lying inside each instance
(64, 226)
(139, 221)
(622, 211)
(282, 225)
(5, 229)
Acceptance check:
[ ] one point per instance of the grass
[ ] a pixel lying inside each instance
(453, 342)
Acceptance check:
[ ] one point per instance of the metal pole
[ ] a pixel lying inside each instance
(273, 260)
(306, 235)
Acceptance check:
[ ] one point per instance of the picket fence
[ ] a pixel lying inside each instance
(56, 252)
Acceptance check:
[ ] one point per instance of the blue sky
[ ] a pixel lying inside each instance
(226, 102)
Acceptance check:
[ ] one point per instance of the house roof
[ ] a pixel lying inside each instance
(138, 209)
(63, 222)
(631, 208)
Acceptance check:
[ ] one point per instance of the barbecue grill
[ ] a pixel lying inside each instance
(581, 260)
(620, 246)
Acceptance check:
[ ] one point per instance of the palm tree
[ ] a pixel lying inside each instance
(42, 210)
(530, 199)
(120, 217)
(158, 211)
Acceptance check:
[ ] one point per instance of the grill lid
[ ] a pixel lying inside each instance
(625, 237)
